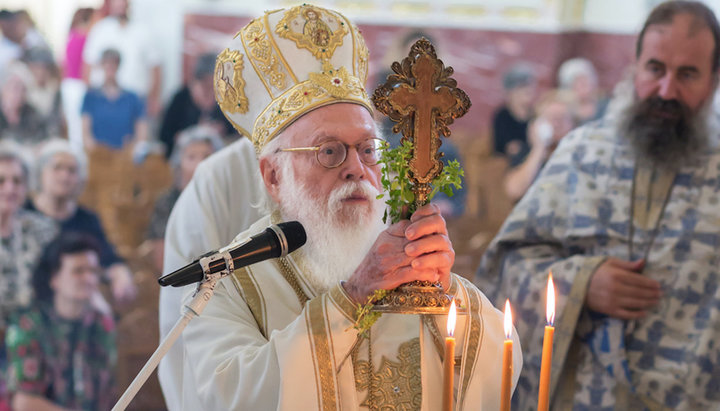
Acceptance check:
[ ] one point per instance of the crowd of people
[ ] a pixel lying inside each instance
(57, 345)
(574, 158)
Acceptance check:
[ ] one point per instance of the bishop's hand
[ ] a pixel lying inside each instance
(418, 249)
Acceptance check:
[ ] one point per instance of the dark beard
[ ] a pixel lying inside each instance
(666, 132)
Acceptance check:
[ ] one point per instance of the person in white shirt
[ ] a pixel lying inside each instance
(141, 70)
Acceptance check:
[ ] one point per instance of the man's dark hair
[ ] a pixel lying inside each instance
(204, 66)
(7, 15)
(112, 54)
(51, 260)
(703, 17)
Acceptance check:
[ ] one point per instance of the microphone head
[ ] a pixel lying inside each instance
(294, 233)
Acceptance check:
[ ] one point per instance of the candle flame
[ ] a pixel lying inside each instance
(508, 320)
(550, 310)
(452, 316)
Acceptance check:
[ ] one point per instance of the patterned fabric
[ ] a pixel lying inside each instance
(18, 255)
(161, 214)
(70, 363)
(575, 215)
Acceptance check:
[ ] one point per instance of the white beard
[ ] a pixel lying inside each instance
(338, 236)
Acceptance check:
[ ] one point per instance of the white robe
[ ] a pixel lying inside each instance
(259, 345)
(213, 208)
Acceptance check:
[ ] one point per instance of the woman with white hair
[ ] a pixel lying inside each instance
(23, 235)
(61, 174)
(578, 76)
(194, 144)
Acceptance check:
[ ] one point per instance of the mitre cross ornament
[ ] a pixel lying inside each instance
(422, 98)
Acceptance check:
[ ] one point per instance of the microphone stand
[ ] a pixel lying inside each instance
(203, 294)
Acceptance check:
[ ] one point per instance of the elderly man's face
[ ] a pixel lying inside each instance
(676, 64)
(348, 123)
(60, 178)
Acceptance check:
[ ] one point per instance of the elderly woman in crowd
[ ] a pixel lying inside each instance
(61, 173)
(19, 121)
(62, 350)
(194, 144)
(23, 235)
(579, 78)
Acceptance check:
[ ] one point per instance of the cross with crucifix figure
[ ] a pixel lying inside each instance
(423, 100)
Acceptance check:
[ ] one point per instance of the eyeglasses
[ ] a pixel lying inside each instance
(333, 153)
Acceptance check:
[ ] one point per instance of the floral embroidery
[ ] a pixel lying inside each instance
(262, 56)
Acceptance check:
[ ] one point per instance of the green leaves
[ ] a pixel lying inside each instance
(366, 317)
(396, 182)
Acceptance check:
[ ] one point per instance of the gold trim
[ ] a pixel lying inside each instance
(343, 302)
(298, 100)
(261, 56)
(275, 47)
(324, 369)
(311, 341)
(291, 277)
(317, 36)
(473, 338)
(362, 58)
(246, 286)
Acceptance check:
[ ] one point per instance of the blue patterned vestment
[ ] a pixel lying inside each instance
(578, 213)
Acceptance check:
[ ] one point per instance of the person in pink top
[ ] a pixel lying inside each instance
(73, 87)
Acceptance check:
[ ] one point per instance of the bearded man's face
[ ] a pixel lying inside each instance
(675, 80)
(337, 206)
(667, 132)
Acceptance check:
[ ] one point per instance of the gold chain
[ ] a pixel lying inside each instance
(289, 275)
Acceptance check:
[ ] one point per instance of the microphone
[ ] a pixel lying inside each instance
(276, 241)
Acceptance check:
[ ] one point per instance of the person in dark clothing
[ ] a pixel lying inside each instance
(510, 122)
(194, 104)
(61, 173)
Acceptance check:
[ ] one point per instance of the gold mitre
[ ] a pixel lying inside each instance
(286, 63)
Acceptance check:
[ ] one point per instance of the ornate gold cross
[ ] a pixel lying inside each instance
(423, 100)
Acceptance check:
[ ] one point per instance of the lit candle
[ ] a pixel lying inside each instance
(544, 392)
(449, 362)
(507, 365)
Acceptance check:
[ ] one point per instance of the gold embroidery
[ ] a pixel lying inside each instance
(319, 335)
(343, 302)
(300, 99)
(263, 56)
(291, 277)
(246, 286)
(363, 55)
(229, 84)
(336, 82)
(315, 29)
(397, 384)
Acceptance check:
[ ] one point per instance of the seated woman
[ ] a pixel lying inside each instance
(23, 235)
(194, 145)
(62, 351)
(61, 173)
